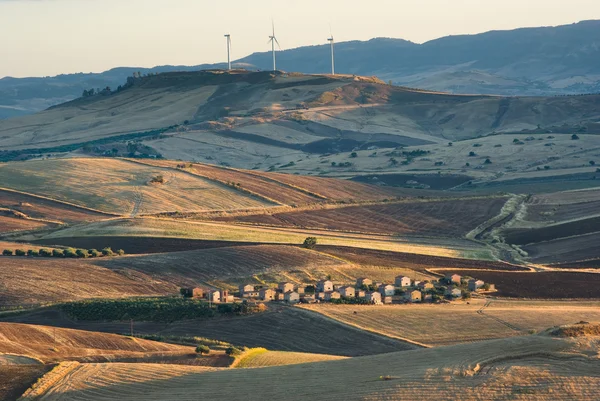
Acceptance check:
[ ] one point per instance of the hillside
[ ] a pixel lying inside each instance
(460, 64)
(534, 368)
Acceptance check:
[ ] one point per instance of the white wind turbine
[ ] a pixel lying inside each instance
(331, 42)
(228, 36)
(274, 40)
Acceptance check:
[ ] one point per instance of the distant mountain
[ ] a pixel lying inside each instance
(528, 61)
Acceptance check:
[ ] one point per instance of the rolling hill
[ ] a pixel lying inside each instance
(531, 61)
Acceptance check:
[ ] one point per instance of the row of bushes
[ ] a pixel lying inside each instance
(64, 253)
(151, 309)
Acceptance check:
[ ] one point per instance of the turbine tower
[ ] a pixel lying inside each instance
(331, 42)
(274, 40)
(228, 36)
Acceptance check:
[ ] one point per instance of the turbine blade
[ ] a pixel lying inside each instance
(276, 41)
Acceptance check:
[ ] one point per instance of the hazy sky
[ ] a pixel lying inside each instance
(49, 37)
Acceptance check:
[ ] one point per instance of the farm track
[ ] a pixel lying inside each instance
(507, 324)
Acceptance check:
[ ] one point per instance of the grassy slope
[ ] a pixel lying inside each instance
(460, 373)
(458, 323)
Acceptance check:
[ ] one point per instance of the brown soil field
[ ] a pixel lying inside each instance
(47, 209)
(565, 250)
(561, 212)
(50, 344)
(280, 328)
(15, 379)
(588, 264)
(9, 224)
(257, 264)
(546, 285)
(460, 322)
(419, 263)
(32, 281)
(523, 236)
(139, 245)
(531, 368)
(449, 218)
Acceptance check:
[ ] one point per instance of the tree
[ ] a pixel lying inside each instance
(592, 163)
(310, 242)
(7, 252)
(120, 252)
(82, 253)
(472, 154)
(574, 137)
(58, 253)
(70, 253)
(487, 161)
(107, 252)
(233, 351)
(202, 349)
(32, 252)
(93, 253)
(20, 252)
(353, 154)
(45, 252)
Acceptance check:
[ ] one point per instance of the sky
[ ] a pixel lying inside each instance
(49, 37)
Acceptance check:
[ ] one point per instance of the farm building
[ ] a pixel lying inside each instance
(193, 292)
(285, 287)
(320, 295)
(308, 299)
(251, 294)
(453, 278)
(325, 286)
(416, 283)
(387, 300)
(425, 286)
(426, 297)
(361, 293)
(453, 292)
(414, 296)
(291, 297)
(301, 290)
(214, 296)
(279, 296)
(475, 285)
(347, 291)
(387, 290)
(403, 281)
(225, 296)
(332, 295)
(363, 282)
(244, 288)
(373, 297)
(267, 294)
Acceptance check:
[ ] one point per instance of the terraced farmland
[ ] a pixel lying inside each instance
(530, 368)
(450, 218)
(129, 185)
(440, 325)
(32, 281)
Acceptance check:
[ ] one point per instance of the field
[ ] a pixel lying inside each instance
(9, 224)
(280, 328)
(545, 285)
(32, 281)
(530, 368)
(18, 378)
(260, 358)
(50, 344)
(130, 186)
(440, 325)
(451, 218)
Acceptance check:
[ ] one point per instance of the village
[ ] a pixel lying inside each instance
(363, 291)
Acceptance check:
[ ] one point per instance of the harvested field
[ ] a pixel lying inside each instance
(530, 368)
(565, 250)
(433, 181)
(129, 185)
(280, 328)
(524, 236)
(10, 224)
(550, 212)
(51, 344)
(15, 379)
(451, 218)
(260, 358)
(153, 227)
(33, 281)
(419, 263)
(460, 322)
(46, 209)
(588, 264)
(259, 264)
(545, 285)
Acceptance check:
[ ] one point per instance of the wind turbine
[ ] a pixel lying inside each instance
(228, 36)
(274, 40)
(331, 42)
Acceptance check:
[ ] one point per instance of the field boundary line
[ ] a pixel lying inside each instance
(50, 379)
(47, 198)
(246, 355)
(357, 327)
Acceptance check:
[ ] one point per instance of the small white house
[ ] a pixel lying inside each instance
(347, 292)
(373, 297)
(324, 286)
(403, 281)
(285, 287)
(291, 297)
(363, 281)
(453, 292)
(387, 290)
(332, 295)
(475, 285)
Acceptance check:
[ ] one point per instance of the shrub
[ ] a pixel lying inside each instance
(20, 252)
(592, 163)
(310, 242)
(468, 165)
(82, 253)
(120, 252)
(58, 253)
(107, 252)
(32, 252)
(45, 252)
(574, 137)
(202, 350)
(487, 161)
(70, 253)
(233, 351)
(472, 154)
(93, 253)
(7, 252)
(353, 154)
(159, 179)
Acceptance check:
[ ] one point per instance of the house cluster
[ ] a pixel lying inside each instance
(364, 290)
